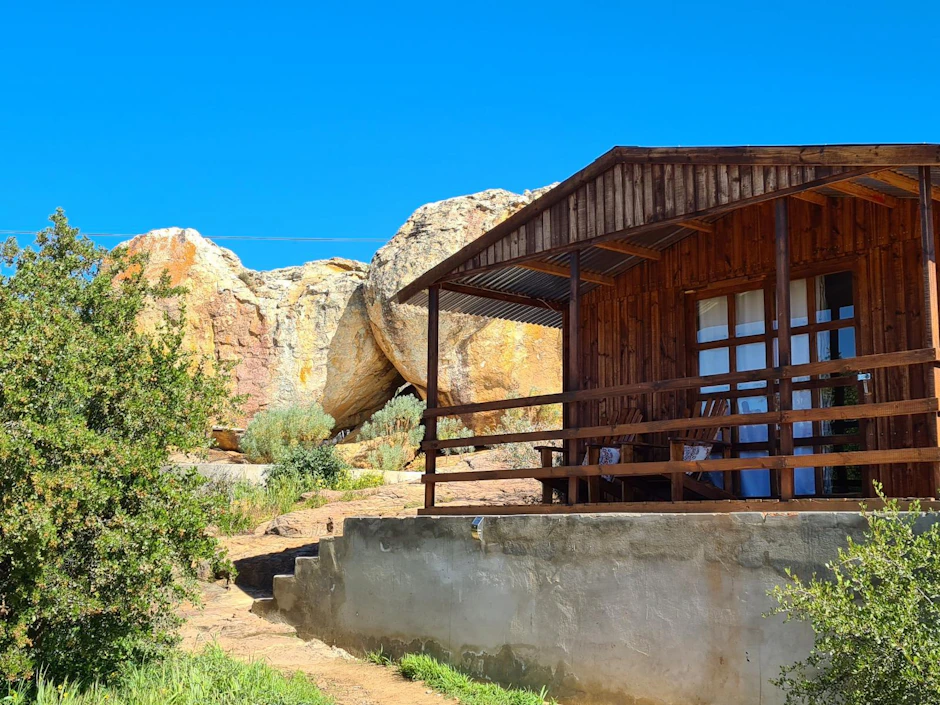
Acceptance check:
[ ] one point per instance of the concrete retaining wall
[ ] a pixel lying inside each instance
(649, 609)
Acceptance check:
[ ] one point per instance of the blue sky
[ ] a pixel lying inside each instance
(339, 119)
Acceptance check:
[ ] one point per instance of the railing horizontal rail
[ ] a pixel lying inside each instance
(672, 467)
(860, 411)
(830, 367)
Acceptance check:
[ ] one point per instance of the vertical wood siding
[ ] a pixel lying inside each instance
(631, 195)
(639, 330)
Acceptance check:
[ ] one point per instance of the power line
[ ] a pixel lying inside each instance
(224, 237)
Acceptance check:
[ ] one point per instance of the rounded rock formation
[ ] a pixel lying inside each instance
(481, 359)
(298, 334)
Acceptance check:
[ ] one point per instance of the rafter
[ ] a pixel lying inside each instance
(812, 197)
(561, 271)
(905, 183)
(867, 194)
(699, 225)
(626, 248)
(502, 296)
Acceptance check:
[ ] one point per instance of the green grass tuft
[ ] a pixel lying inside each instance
(455, 684)
(209, 678)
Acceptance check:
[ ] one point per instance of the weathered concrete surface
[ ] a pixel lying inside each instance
(630, 609)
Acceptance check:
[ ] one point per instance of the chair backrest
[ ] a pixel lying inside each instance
(625, 415)
(709, 408)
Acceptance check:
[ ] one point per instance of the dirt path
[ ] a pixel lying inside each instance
(227, 621)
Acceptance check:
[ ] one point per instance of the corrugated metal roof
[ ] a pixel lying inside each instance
(547, 287)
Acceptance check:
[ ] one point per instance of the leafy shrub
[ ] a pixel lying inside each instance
(209, 678)
(247, 505)
(401, 416)
(448, 428)
(398, 425)
(315, 468)
(99, 543)
(392, 454)
(366, 481)
(876, 618)
(522, 455)
(272, 433)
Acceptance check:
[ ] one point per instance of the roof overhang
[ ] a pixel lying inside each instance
(673, 171)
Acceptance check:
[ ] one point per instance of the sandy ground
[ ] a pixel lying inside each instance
(225, 620)
(271, 548)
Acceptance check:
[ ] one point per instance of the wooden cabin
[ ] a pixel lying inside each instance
(747, 327)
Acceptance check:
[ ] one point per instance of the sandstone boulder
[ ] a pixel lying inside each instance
(298, 334)
(480, 359)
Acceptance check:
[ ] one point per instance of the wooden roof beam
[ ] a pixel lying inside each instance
(626, 248)
(502, 296)
(866, 194)
(812, 197)
(558, 270)
(700, 225)
(905, 183)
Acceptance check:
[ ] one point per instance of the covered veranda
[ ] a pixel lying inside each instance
(743, 328)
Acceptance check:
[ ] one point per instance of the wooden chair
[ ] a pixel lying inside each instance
(698, 444)
(626, 443)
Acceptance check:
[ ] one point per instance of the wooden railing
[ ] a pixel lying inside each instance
(830, 367)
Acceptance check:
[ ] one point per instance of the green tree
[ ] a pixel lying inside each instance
(98, 541)
(876, 618)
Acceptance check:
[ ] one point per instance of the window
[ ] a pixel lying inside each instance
(737, 332)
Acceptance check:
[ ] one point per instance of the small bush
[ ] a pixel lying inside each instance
(876, 618)
(448, 428)
(315, 468)
(272, 433)
(401, 415)
(348, 483)
(248, 505)
(521, 455)
(391, 455)
(210, 678)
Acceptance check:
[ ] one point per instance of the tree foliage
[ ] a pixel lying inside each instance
(876, 618)
(98, 542)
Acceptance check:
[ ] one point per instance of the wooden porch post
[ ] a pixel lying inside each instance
(430, 422)
(782, 240)
(931, 324)
(574, 364)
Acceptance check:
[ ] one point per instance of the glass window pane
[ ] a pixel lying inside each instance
(802, 399)
(836, 344)
(834, 297)
(713, 319)
(799, 315)
(755, 483)
(714, 362)
(752, 356)
(752, 434)
(799, 352)
(749, 313)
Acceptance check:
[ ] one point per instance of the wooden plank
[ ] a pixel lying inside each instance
(809, 155)
(931, 306)
(782, 259)
(644, 226)
(866, 194)
(562, 271)
(680, 467)
(700, 225)
(836, 413)
(812, 197)
(905, 183)
(574, 364)
(502, 296)
(625, 248)
(708, 506)
(430, 424)
(827, 367)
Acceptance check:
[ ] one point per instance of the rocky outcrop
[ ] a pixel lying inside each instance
(297, 334)
(480, 359)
